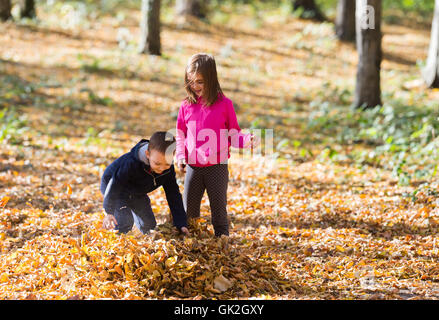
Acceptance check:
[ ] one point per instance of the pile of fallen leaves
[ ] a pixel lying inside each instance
(100, 264)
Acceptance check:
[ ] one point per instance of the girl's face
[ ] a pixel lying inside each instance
(197, 84)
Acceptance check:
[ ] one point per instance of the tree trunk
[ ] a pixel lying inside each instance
(195, 8)
(5, 10)
(345, 20)
(150, 28)
(310, 9)
(368, 17)
(27, 9)
(431, 70)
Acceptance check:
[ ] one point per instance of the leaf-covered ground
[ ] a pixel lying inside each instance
(305, 227)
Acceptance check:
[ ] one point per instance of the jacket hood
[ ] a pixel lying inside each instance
(135, 154)
(135, 150)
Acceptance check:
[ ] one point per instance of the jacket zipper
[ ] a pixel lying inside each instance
(153, 178)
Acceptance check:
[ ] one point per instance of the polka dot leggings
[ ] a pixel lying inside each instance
(215, 180)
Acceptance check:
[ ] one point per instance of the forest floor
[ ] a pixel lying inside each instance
(303, 227)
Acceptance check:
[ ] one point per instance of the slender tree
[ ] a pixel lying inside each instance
(150, 28)
(368, 89)
(5, 10)
(27, 8)
(345, 20)
(431, 70)
(194, 8)
(310, 9)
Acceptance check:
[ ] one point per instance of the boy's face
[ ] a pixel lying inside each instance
(197, 83)
(158, 161)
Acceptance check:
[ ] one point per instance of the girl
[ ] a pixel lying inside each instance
(206, 128)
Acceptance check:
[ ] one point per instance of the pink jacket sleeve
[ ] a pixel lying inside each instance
(181, 134)
(236, 137)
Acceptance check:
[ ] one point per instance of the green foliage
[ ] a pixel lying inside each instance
(419, 7)
(399, 136)
(92, 64)
(74, 14)
(105, 101)
(14, 89)
(91, 138)
(12, 126)
(14, 93)
(422, 7)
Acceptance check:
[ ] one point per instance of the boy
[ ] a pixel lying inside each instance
(126, 182)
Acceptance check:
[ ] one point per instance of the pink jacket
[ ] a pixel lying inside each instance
(205, 134)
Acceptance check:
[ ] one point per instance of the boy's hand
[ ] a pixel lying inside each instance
(185, 231)
(109, 222)
(182, 165)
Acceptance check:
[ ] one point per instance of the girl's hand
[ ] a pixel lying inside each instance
(181, 165)
(253, 142)
(109, 222)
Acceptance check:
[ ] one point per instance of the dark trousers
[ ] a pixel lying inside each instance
(215, 180)
(129, 210)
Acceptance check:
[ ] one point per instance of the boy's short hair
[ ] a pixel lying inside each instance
(163, 142)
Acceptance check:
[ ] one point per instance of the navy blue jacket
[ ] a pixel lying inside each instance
(133, 178)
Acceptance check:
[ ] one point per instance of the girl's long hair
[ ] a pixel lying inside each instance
(205, 65)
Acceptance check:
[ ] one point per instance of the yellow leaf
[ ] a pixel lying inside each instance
(4, 201)
(128, 274)
(129, 257)
(85, 250)
(118, 269)
(4, 278)
(170, 261)
(339, 248)
(69, 189)
(145, 259)
(188, 242)
(83, 239)
(201, 278)
(45, 222)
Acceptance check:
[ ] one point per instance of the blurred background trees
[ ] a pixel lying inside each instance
(368, 26)
(194, 8)
(341, 12)
(309, 9)
(345, 20)
(431, 71)
(27, 8)
(150, 28)
(5, 10)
